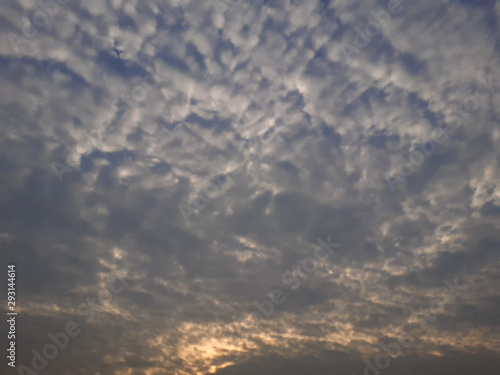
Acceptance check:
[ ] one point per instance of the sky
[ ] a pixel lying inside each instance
(234, 187)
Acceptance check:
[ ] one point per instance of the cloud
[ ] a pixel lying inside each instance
(263, 93)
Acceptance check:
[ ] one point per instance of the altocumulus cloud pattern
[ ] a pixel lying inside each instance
(234, 187)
